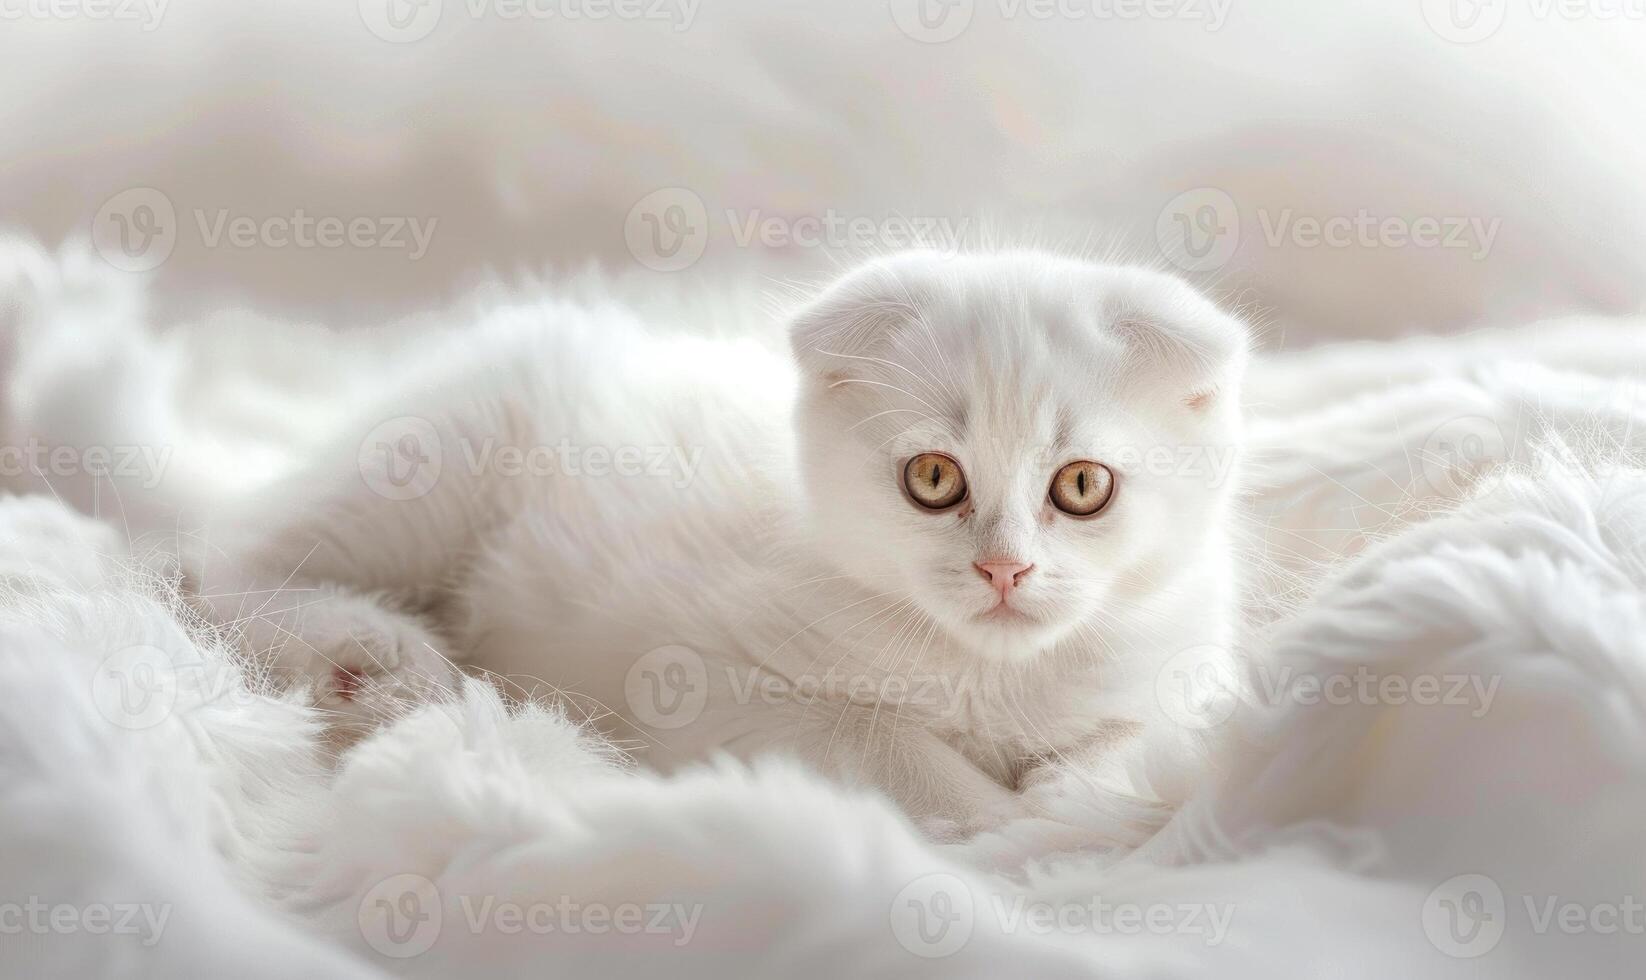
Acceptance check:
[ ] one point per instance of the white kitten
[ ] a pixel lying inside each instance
(1004, 512)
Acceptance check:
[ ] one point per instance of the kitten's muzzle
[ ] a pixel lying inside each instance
(1003, 574)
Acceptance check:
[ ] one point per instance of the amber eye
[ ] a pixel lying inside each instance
(1082, 488)
(934, 481)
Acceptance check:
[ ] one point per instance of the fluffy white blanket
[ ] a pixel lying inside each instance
(1434, 767)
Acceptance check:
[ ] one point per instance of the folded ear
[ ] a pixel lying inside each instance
(859, 314)
(1174, 342)
(1179, 341)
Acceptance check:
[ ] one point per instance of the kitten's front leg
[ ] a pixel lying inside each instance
(361, 660)
(948, 796)
(303, 569)
(1122, 785)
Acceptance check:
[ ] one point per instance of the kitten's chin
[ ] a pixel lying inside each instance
(1007, 634)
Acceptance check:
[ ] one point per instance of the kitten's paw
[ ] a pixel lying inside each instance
(1106, 808)
(361, 663)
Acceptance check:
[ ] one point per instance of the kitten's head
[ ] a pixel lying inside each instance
(1023, 444)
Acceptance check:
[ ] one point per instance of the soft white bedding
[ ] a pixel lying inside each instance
(1435, 768)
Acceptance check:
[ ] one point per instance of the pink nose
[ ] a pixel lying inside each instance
(1003, 573)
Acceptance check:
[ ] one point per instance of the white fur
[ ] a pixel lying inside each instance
(826, 615)
(1322, 834)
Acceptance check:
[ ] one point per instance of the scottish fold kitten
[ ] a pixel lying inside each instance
(946, 550)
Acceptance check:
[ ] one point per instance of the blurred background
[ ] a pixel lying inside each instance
(1353, 168)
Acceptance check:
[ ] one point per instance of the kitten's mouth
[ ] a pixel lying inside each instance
(1004, 613)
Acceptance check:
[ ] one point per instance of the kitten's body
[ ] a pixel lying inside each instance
(740, 589)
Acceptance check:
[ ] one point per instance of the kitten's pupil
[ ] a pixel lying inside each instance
(1080, 483)
(934, 481)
